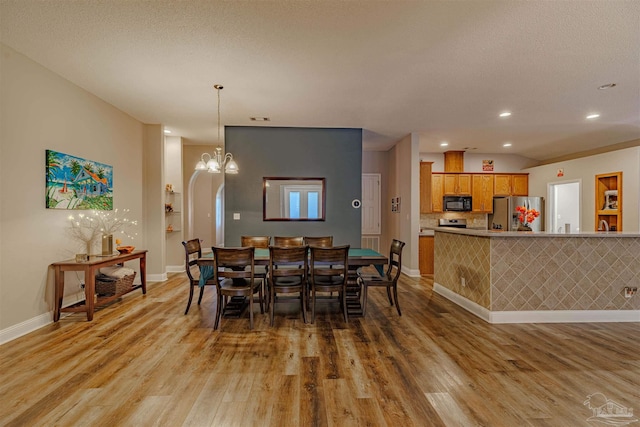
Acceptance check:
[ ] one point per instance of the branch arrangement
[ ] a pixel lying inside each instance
(87, 228)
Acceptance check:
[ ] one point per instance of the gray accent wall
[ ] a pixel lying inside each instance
(334, 154)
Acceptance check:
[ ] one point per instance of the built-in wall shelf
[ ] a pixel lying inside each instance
(172, 210)
(608, 201)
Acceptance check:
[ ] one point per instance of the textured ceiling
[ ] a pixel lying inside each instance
(444, 69)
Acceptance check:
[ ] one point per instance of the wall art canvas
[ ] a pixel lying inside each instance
(77, 183)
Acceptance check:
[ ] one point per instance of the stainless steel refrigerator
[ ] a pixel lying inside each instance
(505, 215)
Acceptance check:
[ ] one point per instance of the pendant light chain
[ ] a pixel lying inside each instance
(218, 88)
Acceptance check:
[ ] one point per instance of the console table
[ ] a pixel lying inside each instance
(90, 268)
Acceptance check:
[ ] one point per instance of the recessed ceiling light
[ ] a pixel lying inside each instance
(167, 131)
(593, 116)
(607, 86)
(505, 114)
(506, 144)
(444, 144)
(260, 119)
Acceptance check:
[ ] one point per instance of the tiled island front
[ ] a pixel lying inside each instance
(524, 277)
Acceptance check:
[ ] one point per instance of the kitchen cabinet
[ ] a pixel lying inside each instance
(609, 200)
(520, 185)
(511, 184)
(425, 187)
(457, 184)
(482, 193)
(425, 255)
(437, 189)
(454, 161)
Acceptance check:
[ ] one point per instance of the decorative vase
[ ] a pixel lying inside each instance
(107, 244)
(522, 227)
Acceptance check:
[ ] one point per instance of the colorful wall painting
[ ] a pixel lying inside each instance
(76, 183)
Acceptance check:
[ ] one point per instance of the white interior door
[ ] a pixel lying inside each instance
(564, 206)
(371, 208)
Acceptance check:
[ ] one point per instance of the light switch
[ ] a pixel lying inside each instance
(236, 216)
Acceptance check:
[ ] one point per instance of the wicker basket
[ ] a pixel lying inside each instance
(106, 285)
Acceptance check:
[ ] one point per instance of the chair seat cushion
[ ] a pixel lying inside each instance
(328, 280)
(232, 284)
(287, 281)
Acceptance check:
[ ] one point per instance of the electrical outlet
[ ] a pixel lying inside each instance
(629, 292)
(463, 282)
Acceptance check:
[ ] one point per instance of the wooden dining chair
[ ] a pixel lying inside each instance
(388, 280)
(234, 277)
(261, 242)
(282, 241)
(324, 241)
(193, 251)
(286, 276)
(328, 273)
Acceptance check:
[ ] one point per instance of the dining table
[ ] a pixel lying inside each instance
(358, 257)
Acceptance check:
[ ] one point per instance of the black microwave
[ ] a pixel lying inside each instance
(457, 203)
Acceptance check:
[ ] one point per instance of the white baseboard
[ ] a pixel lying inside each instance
(175, 268)
(565, 316)
(157, 277)
(463, 302)
(410, 272)
(538, 316)
(23, 328)
(30, 325)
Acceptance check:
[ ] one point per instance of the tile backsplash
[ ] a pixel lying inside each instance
(474, 220)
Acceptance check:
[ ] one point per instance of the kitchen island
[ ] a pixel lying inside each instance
(535, 277)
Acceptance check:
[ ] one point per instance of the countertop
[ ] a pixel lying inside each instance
(500, 233)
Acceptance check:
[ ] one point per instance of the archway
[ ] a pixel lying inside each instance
(205, 208)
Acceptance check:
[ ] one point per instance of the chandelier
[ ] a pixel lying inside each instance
(217, 162)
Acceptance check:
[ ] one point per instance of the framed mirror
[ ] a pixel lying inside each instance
(293, 199)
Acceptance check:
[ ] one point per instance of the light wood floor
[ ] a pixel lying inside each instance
(142, 362)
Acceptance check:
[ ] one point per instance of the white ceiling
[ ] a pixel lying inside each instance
(444, 69)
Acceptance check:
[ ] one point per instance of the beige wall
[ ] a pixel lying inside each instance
(585, 169)
(404, 182)
(39, 110)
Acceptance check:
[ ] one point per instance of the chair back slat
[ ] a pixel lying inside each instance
(262, 242)
(284, 241)
(324, 241)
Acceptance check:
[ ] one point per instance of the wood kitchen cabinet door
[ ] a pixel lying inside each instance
(457, 184)
(520, 185)
(425, 255)
(482, 193)
(511, 184)
(502, 185)
(436, 192)
(464, 184)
